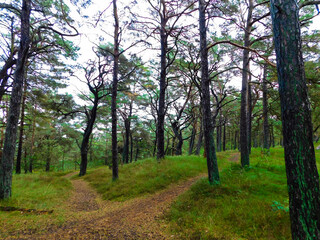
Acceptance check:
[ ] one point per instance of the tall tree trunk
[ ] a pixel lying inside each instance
(25, 160)
(162, 83)
(219, 134)
(115, 170)
(91, 118)
(244, 147)
(266, 144)
(125, 154)
(32, 138)
(106, 151)
(15, 102)
(212, 164)
(19, 155)
(302, 173)
(48, 160)
(193, 137)
(200, 138)
(224, 136)
(131, 147)
(249, 112)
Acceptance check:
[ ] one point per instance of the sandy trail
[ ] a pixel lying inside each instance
(92, 218)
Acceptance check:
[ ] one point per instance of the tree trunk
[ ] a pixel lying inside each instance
(32, 138)
(125, 154)
(244, 146)
(302, 173)
(213, 173)
(131, 147)
(193, 137)
(115, 170)
(200, 138)
(224, 136)
(19, 155)
(48, 160)
(162, 83)
(266, 144)
(91, 118)
(106, 151)
(249, 112)
(15, 102)
(219, 134)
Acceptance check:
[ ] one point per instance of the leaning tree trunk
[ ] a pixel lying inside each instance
(244, 148)
(302, 173)
(115, 169)
(266, 144)
(15, 102)
(19, 155)
(86, 136)
(212, 164)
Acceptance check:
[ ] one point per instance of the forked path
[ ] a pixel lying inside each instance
(139, 218)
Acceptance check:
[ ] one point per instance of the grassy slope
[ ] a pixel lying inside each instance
(40, 191)
(249, 204)
(143, 177)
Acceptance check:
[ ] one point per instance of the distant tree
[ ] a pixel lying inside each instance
(302, 173)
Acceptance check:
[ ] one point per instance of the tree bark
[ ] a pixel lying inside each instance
(162, 83)
(249, 112)
(244, 147)
(115, 170)
(213, 173)
(301, 169)
(15, 102)
(193, 137)
(91, 118)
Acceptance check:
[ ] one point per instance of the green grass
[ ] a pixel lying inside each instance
(40, 191)
(249, 204)
(145, 177)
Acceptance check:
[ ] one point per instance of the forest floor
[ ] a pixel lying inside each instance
(90, 217)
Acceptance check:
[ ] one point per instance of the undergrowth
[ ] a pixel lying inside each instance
(248, 204)
(37, 191)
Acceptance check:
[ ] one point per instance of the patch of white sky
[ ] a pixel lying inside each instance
(95, 24)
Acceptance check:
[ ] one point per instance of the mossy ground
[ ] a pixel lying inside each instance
(250, 203)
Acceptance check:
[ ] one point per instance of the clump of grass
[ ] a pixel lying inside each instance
(40, 191)
(248, 204)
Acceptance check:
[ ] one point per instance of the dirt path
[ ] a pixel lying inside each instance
(234, 157)
(139, 218)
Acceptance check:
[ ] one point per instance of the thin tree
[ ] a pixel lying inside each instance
(302, 173)
(116, 55)
(213, 173)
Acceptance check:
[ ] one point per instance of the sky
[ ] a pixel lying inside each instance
(91, 32)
